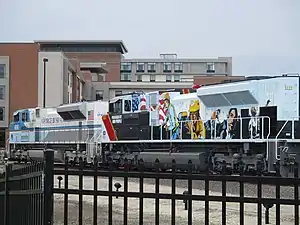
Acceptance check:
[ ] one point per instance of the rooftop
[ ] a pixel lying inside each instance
(178, 59)
(84, 42)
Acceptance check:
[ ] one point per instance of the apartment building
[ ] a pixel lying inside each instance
(4, 96)
(98, 62)
(166, 72)
(99, 58)
(61, 75)
(109, 73)
(169, 68)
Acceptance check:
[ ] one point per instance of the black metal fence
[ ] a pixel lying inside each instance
(26, 194)
(263, 204)
(22, 194)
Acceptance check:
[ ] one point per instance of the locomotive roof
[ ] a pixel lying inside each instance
(250, 78)
(186, 96)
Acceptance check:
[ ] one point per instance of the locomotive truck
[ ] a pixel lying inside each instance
(250, 125)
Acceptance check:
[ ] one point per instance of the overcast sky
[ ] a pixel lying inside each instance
(262, 36)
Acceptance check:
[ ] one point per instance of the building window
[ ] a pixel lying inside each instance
(140, 67)
(2, 109)
(178, 68)
(2, 70)
(99, 95)
(2, 92)
(176, 78)
(210, 67)
(78, 90)
(167, 67)
(126, 67)
(152, 78)
(126, 77)
(95, 77)
(118, 93)
(139, 78)
(168, 78)
(151, 67)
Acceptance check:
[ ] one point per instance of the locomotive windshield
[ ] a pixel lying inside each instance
(21, 116)
(16, 117)
(116, 106)
(24, 117)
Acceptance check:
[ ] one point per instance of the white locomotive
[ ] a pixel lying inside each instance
(253, 122)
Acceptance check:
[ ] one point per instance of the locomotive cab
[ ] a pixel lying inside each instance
(21, 118)
(129, 121)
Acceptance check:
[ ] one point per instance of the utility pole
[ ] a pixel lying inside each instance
(45, 60)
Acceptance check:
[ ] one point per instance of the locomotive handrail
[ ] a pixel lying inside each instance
(284, 125)
(276, 138)
(88, 132)
(91, 141)
(293, 126)
(281, 129)
(7, 147)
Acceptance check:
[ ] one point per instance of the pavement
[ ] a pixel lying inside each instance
(287, 212)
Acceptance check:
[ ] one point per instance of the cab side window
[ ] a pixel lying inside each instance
(16, 117)
(24, 116)
(116, 107)
(37, 113)
(127, 105)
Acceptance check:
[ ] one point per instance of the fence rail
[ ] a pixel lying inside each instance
(187, 196)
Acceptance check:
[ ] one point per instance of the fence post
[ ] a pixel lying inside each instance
(8, 168)
(48, 186)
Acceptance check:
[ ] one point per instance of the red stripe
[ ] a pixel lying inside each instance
(185, 91)
(109, 128)
(161, 117)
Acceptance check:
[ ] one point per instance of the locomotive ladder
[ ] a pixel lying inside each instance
(92, 148)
